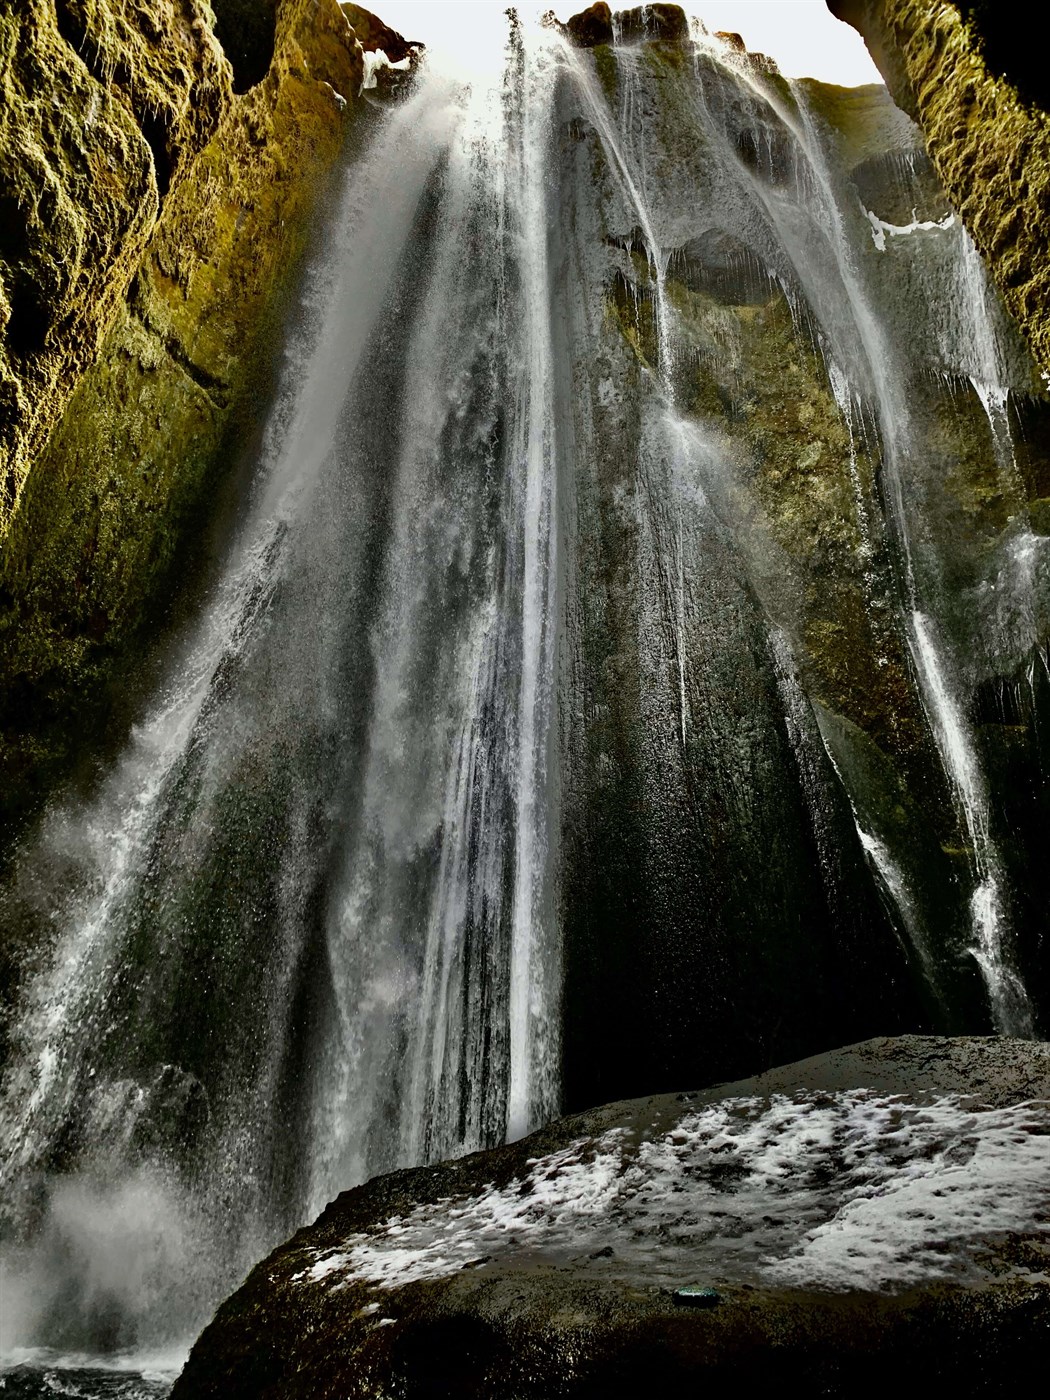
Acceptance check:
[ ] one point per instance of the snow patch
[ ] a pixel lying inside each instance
(375, 59)
(833, 1191)
(880, 228)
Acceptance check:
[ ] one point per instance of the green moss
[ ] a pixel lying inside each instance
(991, 149)
(112, 508)
(608, 73)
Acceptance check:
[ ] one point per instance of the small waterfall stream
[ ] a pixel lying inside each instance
(593, 699)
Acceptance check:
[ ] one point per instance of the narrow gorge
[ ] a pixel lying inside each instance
(516, 594)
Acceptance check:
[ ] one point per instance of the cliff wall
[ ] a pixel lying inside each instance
(105, 105)
(154, 200)
(989, 139)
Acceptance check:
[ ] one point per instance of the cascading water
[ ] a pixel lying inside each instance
(305, 931)
(597, 696)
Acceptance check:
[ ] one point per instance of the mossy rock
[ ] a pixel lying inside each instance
(989, 142)
(112, 507)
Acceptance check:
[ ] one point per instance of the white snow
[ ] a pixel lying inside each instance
(376, 59)
(880, 228)
(832, 1191)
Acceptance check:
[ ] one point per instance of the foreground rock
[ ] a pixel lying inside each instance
(879, 1211)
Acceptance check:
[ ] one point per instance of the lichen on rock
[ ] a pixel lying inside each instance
(155, 321)
(989, 142)
(104, 105)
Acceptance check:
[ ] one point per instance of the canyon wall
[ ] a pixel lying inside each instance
(155, 197)
(964, 78)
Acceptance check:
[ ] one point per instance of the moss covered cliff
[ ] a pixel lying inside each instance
(105, 103)
(152, 216)
(989, 140)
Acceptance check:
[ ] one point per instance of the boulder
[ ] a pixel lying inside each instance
(833, 1225)
(591, 27)
(373, 35)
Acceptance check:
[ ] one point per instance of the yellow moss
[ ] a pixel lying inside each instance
(104, 515)
(991, 150)
(93, 94)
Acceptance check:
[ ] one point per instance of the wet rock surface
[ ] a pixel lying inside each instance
(977, 99)
(645, 23)
(372, 34)
(637, 1245)
(793, 462)
(158, 334)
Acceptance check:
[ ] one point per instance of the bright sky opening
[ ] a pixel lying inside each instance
(802, 35)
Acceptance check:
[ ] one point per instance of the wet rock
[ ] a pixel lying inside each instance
(761, 62)
(597, 25)
(391, 60)
(988, 138)
(591, 27)
(901, 187)
(373, 35)
(648, 22)
(479, 1277)
(144, 270)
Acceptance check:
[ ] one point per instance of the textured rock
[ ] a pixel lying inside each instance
(551, 1267)
(591, 27)
(104, 105)
(192, 298)
(373, 34)
(597, 25)
(649, 22)
(990, 145)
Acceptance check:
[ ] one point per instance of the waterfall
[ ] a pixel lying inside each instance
(593, 694)
(886, 371)
(305, 930)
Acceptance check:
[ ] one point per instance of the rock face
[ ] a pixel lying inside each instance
(104, 107)
(827, 1224)
(598, 25)
(989, 140)
(153, 204)
(373, 34)
(799, 470)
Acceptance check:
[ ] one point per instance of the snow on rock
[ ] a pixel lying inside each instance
(830, 1190)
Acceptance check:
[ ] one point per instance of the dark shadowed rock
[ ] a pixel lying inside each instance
(876, 1212)
(596, 25)
(591, 27)
(373, 35)
(666, 22)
